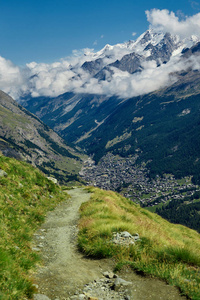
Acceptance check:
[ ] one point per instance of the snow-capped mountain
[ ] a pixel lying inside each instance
(129, 56)
(155, 60)
(124, 70)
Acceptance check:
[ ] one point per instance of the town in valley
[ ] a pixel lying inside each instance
(131, 180)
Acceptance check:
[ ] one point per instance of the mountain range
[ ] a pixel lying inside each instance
(161, 126)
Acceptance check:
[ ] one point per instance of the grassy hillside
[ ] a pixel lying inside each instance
(25, 197)
(170, 252)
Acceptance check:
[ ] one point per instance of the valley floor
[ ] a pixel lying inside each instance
(66, 271)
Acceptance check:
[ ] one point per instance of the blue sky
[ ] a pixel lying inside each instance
(46, 30)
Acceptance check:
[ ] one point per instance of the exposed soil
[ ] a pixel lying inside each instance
(66, 271)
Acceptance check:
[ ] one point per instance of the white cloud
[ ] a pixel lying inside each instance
(12, 78)
(134, 33)
(169, 22)
(67, 75)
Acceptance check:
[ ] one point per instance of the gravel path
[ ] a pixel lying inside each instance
(67, 274)
(65, 269)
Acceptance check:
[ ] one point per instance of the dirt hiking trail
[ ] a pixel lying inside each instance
(65, 271)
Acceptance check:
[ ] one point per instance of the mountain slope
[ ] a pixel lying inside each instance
(163, 128)
(24, 136)
(73, 116)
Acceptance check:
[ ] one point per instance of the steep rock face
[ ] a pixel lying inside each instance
(130, 63)
(162, 52)
(24, 136)
(93, 66)
(187, 52)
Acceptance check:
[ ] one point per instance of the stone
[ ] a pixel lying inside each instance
(119, 283)
(136, 237)
(109, 275)
(81, 297)
(35, 286)
(3, 173)
(122, 282)
(40, 297)
(117, 236)
(54, 180)
(126, 234)
(35, 249)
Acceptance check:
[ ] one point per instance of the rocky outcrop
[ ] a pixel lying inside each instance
(125, 238)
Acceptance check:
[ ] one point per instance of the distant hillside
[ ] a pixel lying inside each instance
(163, 128)
(184, 211)
(24, 136)
(73, 116)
